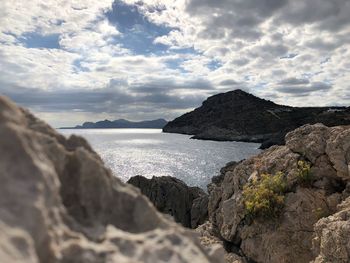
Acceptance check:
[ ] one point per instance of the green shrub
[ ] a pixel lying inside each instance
(265, 196)
(304, 173)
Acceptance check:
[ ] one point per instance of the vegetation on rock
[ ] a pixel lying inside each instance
(304, 173)
(313, 224)
(265, 196)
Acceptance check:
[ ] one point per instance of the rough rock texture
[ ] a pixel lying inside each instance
(209, 238)
(307, 227)
(332, 237)
(240, 116)
(188, 205)
(58, 203)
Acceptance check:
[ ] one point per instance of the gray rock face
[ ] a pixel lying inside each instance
(188, 205)
(332, 236)
(58, 203)
(312, 223)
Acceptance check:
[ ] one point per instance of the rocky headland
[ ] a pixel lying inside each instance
(240, 116)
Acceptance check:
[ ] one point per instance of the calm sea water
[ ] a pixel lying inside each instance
(149, 152)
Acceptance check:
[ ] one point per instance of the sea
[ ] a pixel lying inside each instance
(150, 152)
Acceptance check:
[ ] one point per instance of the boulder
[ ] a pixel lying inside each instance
(187, 205)
(301, 231)
(58, 203)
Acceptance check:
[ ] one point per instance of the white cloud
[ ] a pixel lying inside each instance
(258, 45)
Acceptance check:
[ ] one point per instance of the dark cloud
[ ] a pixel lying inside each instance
(303, 90)
(336, 41)
(257, 8)
(240, 61)
(321, 44)
(229, 82)
(330, 15)
(294, 81)
(113, 99)
(245, 33)
(278, 72)
(270, 49)
(289, 56)
(156, 86)
(234, 18)
(212, 33)
(241, 18)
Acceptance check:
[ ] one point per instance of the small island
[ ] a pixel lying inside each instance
(121, 123)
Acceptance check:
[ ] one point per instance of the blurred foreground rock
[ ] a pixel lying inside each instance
(58, 203)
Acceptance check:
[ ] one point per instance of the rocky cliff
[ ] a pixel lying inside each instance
(288, 204)
(58, 203)
(240, 116)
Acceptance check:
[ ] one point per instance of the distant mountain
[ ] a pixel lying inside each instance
(121, 123)
(240, 116)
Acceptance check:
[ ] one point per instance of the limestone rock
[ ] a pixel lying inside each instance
(332, 236)
(209, 238)
(289, 237)
(188, 205)
(58, 203)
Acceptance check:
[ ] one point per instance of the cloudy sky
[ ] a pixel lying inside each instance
(78, 60)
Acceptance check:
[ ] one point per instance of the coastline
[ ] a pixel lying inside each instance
(289, 203)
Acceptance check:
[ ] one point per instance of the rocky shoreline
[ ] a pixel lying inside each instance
(313, 223)
(59, 203)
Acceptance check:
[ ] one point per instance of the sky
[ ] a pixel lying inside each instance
(86, 60)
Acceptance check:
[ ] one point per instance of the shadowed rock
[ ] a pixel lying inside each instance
(187, 205)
